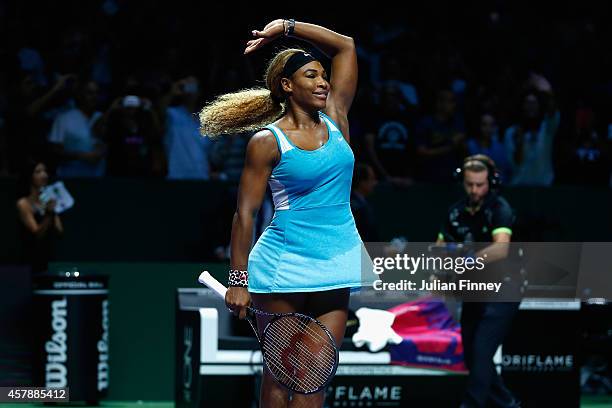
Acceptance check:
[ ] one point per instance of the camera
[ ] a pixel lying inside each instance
(131, 101)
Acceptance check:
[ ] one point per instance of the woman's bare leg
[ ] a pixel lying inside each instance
(331, 309)
(272, 394)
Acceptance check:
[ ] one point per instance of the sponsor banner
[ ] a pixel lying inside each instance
(71, 345)
(538, 363)
(356, 393)
(543, 348)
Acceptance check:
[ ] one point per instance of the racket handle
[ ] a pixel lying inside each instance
(207, 279)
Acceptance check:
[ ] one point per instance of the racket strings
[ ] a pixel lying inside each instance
(303, 327)
(320, 376)
(289, 342)
(301, 363)
(325, 349)
(279, 371)
(295, 383)
(282, 375)
(304, 324)
(322, 342)
(277, 367)
(304, 384)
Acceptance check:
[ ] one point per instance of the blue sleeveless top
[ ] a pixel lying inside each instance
(312, 243)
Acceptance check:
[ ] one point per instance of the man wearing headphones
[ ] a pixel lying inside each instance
(482, 217)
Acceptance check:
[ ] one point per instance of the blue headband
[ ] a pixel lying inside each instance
(295, 62)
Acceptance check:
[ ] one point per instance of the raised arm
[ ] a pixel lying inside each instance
(341, 50)
(261, 154)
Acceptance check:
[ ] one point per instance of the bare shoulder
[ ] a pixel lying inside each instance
(264, 137)
(23, 204)
(262, 146)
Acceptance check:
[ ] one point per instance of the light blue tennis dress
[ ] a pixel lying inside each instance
(312, 243)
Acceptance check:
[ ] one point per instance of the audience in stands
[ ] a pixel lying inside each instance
(421, 92)
(390, 139)
(186, 150)
(80, 152)
(529, 142)
(441, 140)
(487, 142)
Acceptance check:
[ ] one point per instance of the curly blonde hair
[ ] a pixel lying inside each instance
(249, 109)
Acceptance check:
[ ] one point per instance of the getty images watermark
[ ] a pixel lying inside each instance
(434, 264)
(504, 272)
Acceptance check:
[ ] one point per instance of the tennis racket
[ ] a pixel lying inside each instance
(299, 351)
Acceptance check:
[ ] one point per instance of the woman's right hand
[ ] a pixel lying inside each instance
(50, 208)
(271, 31)
(237, 298)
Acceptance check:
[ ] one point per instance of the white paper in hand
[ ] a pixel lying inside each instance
(57, 191)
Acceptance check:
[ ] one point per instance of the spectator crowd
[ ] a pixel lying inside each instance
(110, 88)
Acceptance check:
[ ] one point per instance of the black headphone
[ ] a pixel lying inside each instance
(492, 173)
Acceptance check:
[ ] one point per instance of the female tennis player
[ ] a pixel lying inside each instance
(308, 258)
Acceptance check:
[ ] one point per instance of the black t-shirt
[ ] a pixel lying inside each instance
(394, 142)
(589, 164)
(433, 133)
(494, 215)
(475, 231)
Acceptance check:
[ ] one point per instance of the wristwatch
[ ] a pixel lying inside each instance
(289, 27)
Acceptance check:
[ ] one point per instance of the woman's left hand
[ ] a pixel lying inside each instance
(271, 32)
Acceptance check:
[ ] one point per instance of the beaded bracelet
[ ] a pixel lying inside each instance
(238, 278)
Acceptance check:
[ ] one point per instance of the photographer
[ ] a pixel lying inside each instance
(40, 225)
(483, 217)
(133, 133)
